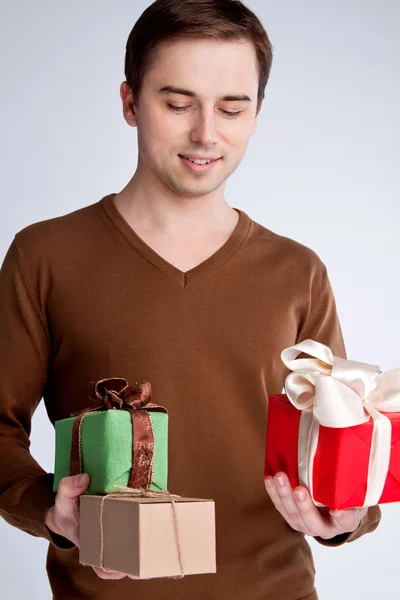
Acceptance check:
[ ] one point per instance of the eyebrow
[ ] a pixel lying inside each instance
(170, 89)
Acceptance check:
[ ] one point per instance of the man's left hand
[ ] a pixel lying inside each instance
(298, 509)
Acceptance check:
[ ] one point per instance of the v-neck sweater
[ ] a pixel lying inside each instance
(83, 297)
(183, 279)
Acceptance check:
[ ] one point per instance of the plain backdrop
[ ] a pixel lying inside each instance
(322, 168)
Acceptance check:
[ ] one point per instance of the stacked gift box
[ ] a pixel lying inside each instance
(129, 522)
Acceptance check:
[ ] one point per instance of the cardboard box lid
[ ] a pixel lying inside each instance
(144, 499)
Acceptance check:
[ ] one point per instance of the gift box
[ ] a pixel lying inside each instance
(141, 536)
(336, 430)
(121, 442)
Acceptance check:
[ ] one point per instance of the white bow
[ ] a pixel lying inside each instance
(336, 392)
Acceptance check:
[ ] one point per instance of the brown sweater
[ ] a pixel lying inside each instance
(83, 297)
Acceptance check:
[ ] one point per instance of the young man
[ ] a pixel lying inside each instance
(166, 282)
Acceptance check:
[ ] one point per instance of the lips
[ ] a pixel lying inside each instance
(199, 168)
(205, 158)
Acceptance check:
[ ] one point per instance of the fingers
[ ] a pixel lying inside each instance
(299, 510)
(297, 507)
(315, 524)
(112, 574)
(349, 519)
(284, 502)
(108, 574)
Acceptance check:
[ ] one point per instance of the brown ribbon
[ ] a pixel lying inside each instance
(116, 394)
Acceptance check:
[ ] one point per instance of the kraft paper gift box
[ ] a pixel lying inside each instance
(105, 441)
(140, 539)
(336, 430)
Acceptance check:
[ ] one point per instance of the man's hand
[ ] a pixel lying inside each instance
(297, 507)
(63, 517)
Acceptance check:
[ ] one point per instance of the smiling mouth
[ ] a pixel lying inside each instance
(208, 159)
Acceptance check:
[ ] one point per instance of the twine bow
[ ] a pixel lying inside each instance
(116, 394)
(336, 392)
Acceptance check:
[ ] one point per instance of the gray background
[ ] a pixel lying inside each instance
(322, 168)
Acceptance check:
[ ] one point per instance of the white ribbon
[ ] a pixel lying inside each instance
(336, 392)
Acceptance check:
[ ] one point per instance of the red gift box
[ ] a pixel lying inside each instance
(341, 460)
(336, 430)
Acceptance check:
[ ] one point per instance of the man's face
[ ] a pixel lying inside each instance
(200, 126)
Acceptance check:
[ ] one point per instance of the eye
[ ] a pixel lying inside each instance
(181, 109)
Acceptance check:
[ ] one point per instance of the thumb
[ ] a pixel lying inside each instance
(73, 486)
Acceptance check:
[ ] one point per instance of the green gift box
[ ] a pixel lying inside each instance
(107, 438)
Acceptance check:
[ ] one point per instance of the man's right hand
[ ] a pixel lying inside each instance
(63, 517)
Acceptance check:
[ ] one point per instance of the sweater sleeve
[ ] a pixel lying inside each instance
(323, 326)
(25, 488)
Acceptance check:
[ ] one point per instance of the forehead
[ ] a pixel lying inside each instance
(206, 66)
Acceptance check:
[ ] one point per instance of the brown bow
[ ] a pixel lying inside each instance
(116, 394)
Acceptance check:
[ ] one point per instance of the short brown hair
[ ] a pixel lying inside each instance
(168, 20)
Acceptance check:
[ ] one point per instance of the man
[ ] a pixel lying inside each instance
(165, 282)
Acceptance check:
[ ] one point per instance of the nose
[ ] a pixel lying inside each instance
(204, 131)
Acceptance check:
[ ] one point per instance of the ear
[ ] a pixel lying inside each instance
(128, 107)
(254, 127)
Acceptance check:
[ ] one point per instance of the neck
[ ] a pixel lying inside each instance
(173, 214)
